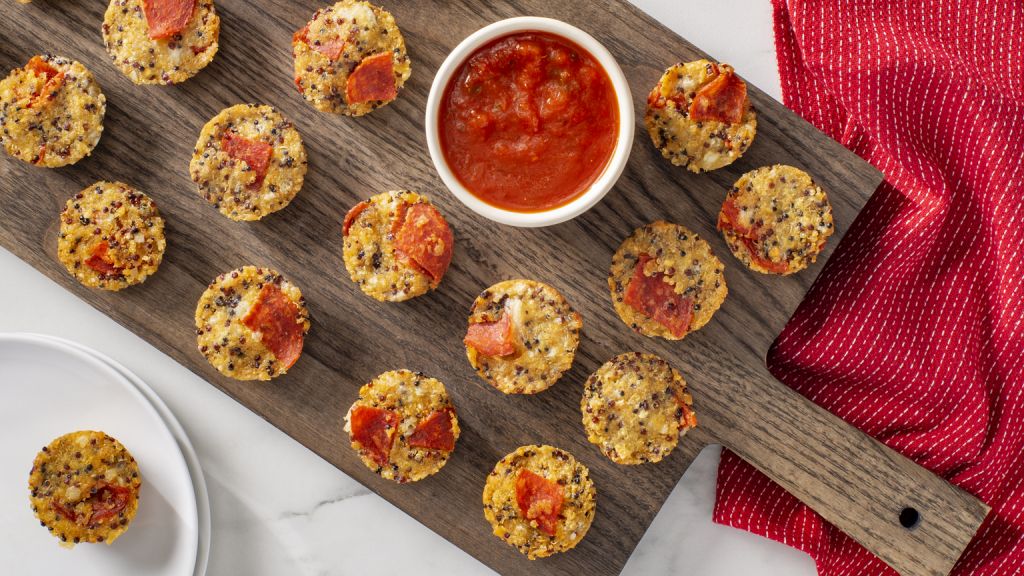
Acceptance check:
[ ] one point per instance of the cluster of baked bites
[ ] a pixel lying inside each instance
(349, 59)
(249, 162)
(775, 220)
(522, 335)
(666, 282)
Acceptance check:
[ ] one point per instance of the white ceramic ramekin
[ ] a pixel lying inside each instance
(612, 170)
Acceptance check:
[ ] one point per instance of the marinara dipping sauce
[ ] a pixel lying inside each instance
(528, 122)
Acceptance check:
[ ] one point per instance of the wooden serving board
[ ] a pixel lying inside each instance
(852, 480)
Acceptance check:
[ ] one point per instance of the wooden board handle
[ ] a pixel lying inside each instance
(855, 482)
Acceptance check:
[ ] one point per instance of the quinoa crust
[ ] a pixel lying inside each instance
(369, 251)
(63, 127)
(367, 30)
(119, 223)
(84, 487)
(688, 264)
(788, 214)
(635, 408)
(226, 342)
(414, 397)
(545, 330)
(230, 184)
(578, 506)
(699, 146)
(145, 60)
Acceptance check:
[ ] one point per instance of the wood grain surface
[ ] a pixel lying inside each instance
(852, 480)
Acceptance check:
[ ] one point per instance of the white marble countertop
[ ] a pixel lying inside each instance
(301, 516)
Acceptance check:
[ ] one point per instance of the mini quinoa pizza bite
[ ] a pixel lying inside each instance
(665, 281)
(776, 220)
(636, 407)
(699, 116)
(251, 323)
(350, 58)
(541, 500)
(84, 487)
(249, 161)
(51, 112)
(522, 336)
(111, 236)
(396, 245)
(161, 41)
(403, 425)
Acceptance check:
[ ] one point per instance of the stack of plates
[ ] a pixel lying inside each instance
(49, 387)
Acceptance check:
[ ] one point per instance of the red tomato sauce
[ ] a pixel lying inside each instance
(529, 122)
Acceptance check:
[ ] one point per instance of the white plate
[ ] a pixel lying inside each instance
(49, 388)
(189, 453)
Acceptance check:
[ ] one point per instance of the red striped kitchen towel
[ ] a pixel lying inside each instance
(915, 330)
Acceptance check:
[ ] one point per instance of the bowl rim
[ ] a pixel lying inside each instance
(616, 163)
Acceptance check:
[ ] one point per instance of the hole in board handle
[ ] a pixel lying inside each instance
(909, 517)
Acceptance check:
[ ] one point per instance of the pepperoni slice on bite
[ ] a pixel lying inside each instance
(41, 67)
(255, 153)
(68, 514)
(423, 238)
(276, 318)
(330, 48)
(688, 418)
(301, 35)
(655, 298)
(100, 262)
(760, 260)
(491, 338)
(434, 432)
(724, 98)
(654, 99)
(372, 80)
(374, 429)
(54, 81)
(166, 18)
(351, 216)
(108, 502)
(539, 499)
(729, 219)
